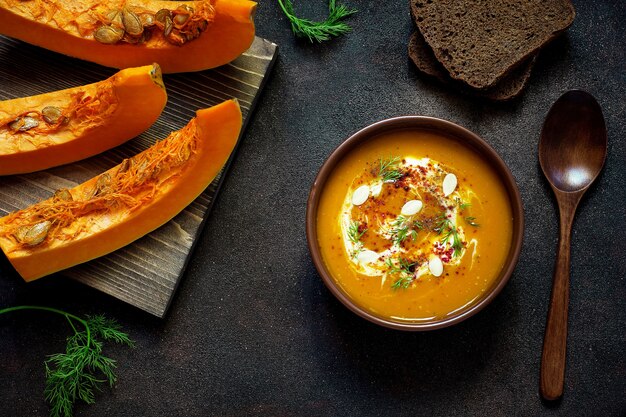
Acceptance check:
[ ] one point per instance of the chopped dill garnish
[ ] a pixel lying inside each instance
(471, 221)
(354, 235)
(402, 227)
(78, 373)
(403, 267)
(318, 31)
(445, 227)
(388, 170)
(353, 232)
(461, 204)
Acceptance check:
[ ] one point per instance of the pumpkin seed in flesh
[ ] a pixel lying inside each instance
(108, 35)
(161, 15)
(36, 234)
(168, 26)
(102, 184)
(147, 20)
(180, 19)
(132, 23)
(51, 114)
(22, 124)
(63, 194)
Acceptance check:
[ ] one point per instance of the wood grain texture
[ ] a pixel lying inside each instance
(145, 273)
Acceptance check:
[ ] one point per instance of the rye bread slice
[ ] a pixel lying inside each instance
(507, 88)
(480, 41)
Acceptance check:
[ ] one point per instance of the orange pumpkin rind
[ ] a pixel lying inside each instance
(124, 203)
(93, 118)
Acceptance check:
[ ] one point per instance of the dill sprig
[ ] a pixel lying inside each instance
(78, 372)
(403, 267)
(402, 228)
(471, 221)
(461, 204)
(353, 232)
(388, 170)
(354, 235)
(447, 228)
(319, 31)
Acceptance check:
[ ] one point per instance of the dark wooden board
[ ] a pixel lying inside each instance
(145, 273)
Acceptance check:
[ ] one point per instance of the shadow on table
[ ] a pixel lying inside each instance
(405, 364)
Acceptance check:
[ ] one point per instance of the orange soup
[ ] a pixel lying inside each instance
(413, 226)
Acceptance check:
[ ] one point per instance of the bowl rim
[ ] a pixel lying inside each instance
(455, 132)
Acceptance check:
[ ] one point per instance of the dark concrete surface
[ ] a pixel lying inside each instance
(254, 332)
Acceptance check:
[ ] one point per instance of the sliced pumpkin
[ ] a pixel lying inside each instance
(181, 36)
(124, 203)
(64, 126)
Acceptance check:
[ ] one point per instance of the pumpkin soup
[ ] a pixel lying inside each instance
(413, 226)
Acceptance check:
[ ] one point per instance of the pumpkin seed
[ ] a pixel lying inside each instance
(102, 184)
(63, 194)
(115, 19)
(22, 124)
(51, 114)
(160, 16)
(147, 20)
(125, 165)
(180, 19)
(176, 38)
(167, 29)
(132, 23)
(36, 234)
(108, 34)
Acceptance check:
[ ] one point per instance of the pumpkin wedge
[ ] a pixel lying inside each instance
(181, 36)
(124, 203)
(64, 126)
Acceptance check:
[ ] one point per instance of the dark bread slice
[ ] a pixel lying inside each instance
(480, 41)
(507, 88)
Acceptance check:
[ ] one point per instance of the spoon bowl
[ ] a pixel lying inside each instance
(573, 143)
(572, 150)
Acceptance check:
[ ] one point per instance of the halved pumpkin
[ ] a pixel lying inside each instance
(124, 203)
(64, 126)
(199, 34)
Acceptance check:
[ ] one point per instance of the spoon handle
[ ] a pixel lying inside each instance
(555, 338)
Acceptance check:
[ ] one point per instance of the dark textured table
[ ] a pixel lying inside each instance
(253, 331)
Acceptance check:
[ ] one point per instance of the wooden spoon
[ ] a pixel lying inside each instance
(572, 150)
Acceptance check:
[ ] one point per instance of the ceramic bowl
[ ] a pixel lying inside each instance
(455, 132)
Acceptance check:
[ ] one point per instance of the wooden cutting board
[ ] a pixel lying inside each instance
(145, 273)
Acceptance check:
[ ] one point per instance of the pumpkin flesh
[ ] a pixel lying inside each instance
(124, 203)
(68, 27)
(93, 118)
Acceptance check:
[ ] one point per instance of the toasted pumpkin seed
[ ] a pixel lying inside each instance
(132, 23)
(108, 34)
(36, 234)
(51, 114)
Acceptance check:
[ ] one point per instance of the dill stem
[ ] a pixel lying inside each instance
(68, 316)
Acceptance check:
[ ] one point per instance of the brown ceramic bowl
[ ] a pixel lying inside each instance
(455, 132)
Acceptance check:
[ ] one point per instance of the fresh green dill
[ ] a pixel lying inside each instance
(449, 231)
(471, 221)
(78, 372)
(403, 268)
(353, 232)
(402, 228)
(388, 170)
(333, 26)
(354, 235)
(461, 204)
